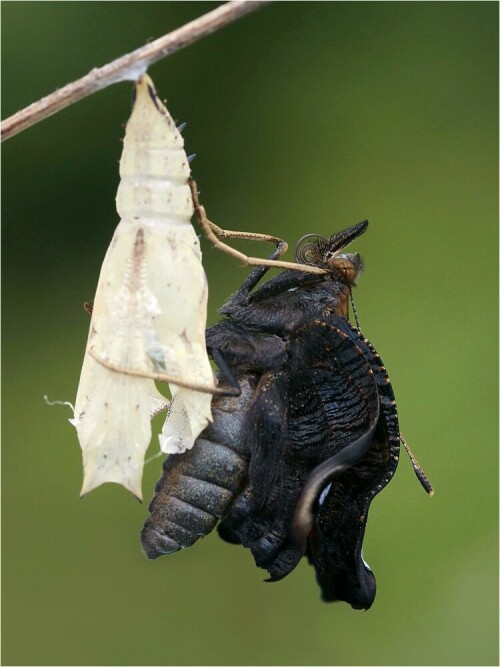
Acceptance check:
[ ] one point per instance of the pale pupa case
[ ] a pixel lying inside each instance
(149, 312)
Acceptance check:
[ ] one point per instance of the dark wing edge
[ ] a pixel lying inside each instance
(335, 546)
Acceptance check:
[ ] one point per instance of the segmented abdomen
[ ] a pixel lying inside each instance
(197, 487)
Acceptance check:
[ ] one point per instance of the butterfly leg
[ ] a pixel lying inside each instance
(215, 234)
(162, 377)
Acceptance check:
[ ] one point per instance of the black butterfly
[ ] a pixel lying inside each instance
(291, 465)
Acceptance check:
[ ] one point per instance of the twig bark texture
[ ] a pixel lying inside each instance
(129, 66)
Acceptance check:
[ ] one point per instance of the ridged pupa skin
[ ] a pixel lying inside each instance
(149, 311)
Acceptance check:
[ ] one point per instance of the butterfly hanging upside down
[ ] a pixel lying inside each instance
(290, 466)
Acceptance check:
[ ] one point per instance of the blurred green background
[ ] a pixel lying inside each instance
(305, 118)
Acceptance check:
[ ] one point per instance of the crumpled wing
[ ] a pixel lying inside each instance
(335, 545)
(324, 400)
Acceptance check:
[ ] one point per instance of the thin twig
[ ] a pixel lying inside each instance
(128, 67)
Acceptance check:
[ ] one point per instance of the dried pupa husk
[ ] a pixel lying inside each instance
(149, 312)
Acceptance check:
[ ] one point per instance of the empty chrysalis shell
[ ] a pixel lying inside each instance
(149, 311)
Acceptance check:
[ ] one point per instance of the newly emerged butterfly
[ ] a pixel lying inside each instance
(149, 312)
(291, 466)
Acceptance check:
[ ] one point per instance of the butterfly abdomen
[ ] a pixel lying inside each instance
(198, 487)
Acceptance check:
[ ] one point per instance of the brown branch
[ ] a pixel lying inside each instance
(129, 66)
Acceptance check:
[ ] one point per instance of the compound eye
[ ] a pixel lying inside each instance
(310, 252)
(347, 271)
